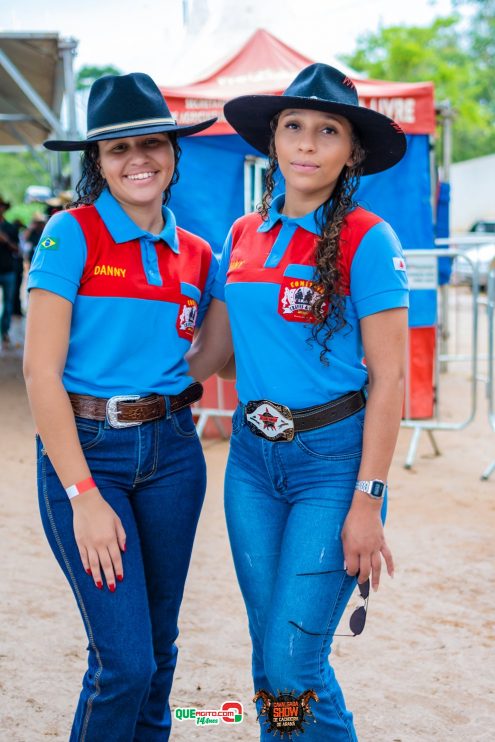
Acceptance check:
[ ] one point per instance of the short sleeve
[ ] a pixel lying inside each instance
(207, 291)
(218, 289)
(378, 272)
(60, 256)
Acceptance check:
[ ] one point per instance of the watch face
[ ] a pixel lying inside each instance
(377, 489)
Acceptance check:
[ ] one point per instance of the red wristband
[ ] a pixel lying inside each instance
(80, 487)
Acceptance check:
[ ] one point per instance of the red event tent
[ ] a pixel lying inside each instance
(266, 65)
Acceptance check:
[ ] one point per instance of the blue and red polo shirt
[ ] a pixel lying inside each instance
(137, 297)
(266, 277)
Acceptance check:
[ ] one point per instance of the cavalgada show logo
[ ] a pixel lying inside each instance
(286, 714)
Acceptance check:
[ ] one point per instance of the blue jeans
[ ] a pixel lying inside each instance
(7, 283)
(286, 504)
(154, 477)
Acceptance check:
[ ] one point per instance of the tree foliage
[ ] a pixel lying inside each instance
(18, 170)
(88, 74)
(456, 53)
(481, 39)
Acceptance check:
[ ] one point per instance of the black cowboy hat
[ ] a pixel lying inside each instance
(126, 106)
(321, 88)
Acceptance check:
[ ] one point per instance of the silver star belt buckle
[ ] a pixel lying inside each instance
(270, 420)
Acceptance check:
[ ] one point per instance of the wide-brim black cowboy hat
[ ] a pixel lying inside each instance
(126, 106)
(320, 87)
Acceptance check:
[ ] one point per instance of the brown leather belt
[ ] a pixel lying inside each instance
(276, 422)
(124, 410)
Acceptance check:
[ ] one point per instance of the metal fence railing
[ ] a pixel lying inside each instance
(490, 394)
(422, 267)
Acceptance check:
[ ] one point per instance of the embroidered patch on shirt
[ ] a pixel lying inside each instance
(49, 244)
(296, 300)
(186, 320)
(399, 264)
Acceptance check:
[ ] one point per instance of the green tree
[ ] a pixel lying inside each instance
(88, 74)
(481, 39)
(445, 53)
(18, 170)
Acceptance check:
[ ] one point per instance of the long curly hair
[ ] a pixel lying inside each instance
(329, 303)
(92, 182)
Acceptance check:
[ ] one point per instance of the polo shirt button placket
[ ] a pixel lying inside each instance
(150, 261)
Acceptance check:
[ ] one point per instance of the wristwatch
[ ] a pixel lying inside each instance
(373, 487)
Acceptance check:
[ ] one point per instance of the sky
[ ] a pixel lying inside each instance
(150, 36)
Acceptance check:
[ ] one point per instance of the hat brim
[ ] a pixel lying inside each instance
(66, 145)
(383, 140)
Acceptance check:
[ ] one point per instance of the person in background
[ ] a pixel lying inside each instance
(32, 235)
(9, 248)
(309, 285)
(116, 290)
(58, 202)
(19, 272)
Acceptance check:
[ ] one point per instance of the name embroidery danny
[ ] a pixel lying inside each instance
(109, 270)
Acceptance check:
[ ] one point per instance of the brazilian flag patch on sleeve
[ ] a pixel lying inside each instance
(49, 244)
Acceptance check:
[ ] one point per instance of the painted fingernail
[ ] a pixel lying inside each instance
(120, 577)
(88, 571)
(99, 585)
(124, 547)
(111, 587)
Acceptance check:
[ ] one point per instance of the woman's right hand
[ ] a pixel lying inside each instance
(100, 538)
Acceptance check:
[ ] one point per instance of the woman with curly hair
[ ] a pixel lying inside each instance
(116, 290)
(309, 285)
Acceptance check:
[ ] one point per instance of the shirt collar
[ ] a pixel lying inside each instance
(123, 229)
(309, 222)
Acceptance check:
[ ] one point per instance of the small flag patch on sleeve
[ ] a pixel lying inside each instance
(49, 244)
(399, 264)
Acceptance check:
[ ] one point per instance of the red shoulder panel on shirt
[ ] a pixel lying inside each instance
(251, 248)
(116, 270)
(356, 224)
(197, 249)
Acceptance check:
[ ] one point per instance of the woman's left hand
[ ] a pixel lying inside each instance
(364, 542)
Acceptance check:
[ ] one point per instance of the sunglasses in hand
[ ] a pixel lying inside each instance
(357, 620)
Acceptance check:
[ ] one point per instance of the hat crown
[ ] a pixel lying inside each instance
(116, 99)
(323, 82)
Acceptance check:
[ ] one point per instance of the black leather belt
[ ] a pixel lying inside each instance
(276, 422)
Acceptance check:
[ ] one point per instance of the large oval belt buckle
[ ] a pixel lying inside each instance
(270, 420)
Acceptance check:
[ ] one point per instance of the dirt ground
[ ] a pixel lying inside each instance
(422, 670)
